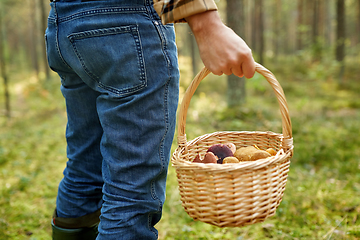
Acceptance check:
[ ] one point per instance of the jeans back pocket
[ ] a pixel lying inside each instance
(112, 58)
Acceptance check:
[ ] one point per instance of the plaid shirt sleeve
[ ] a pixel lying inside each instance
(174, 11)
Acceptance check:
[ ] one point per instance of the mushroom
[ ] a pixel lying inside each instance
(231, 146)
(221, 151)
(230, 160)
(250, 153)
(208, 158)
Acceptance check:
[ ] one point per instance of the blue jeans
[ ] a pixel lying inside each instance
(119, 77)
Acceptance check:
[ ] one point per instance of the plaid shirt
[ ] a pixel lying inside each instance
(173, 11)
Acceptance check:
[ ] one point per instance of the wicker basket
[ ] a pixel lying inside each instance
(233, 195)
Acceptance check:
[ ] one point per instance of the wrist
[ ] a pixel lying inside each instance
(202, 21)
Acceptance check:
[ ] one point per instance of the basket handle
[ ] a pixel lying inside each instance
(286, 122)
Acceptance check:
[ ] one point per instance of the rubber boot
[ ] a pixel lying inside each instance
(82, 228)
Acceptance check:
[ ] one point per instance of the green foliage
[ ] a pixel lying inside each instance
(322, 195)
(32, 154)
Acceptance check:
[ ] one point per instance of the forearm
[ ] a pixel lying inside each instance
(203, 21)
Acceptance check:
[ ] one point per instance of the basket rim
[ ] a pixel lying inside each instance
(284, 154)
(218, 168)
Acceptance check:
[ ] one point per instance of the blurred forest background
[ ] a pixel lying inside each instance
(312, 47)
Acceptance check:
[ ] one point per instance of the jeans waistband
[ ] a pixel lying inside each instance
(62, 9)
(145, 1)
(74, 0)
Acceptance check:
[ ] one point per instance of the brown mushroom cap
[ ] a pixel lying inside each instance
(221, 151)
(210, 158)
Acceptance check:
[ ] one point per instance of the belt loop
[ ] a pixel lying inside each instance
(150, 8)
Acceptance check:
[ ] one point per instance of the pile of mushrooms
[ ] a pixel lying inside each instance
(227, 153)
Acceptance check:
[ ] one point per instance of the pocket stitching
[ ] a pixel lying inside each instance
(133, 29)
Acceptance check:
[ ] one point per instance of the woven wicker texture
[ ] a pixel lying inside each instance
(233, 195)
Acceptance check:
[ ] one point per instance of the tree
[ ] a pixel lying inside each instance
(259, 34)
(277, 28)
(358, 21)
(34, 57)
(340, 36)
(315, 31)
(43, 21)
(299, 35)
(193, 50)
(3, 72)
(318, 29)
(236, 91)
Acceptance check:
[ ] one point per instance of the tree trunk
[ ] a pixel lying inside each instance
(235, 20)
(193, 51)
(316, 41)
(340, 35)
(328, 31)
(43, 29)
(3, 73)
(308, 16)
(33, 37)
(299, 41)
(358, 21)
(315, 29)
(260, 30)
(253, 29)
(277, 28)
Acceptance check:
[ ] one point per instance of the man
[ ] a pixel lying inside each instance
(117, 61)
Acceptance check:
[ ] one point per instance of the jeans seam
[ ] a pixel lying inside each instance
(56, 22)
(119, 10)
(161, 153)
(161, 148)
(150, 227)
(151, 11)
(163, 42)
(166, 92)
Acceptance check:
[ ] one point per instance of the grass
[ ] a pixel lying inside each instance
(322, 196)
(32, 153)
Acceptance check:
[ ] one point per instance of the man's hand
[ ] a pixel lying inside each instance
(221, 49)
